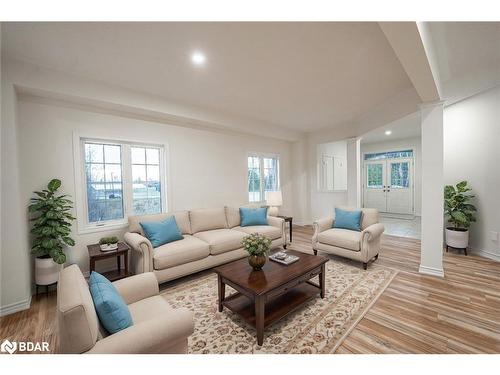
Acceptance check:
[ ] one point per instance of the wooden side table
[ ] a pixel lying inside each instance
(96, 254)
(288, 219)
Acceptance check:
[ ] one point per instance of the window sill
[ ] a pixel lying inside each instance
(102, 228)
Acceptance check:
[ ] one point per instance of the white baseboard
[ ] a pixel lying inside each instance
(439, 272)
(15, 307)
(487, 254)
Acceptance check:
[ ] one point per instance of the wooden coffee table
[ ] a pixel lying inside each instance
(263, 297)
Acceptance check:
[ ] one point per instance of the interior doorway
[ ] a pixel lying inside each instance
(389, 182)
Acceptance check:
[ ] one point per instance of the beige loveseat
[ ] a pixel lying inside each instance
(157, 328)
(212, 237)
(361, 246)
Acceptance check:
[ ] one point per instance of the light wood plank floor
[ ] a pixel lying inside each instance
(415, 314)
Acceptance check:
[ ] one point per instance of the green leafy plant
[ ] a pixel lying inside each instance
(457, 207)
(108, 240)
(256, 244)
(51, 223)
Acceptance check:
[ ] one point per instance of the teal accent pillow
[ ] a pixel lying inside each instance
(112, 310)
(162, 232)
(347, 219)
(253, 216)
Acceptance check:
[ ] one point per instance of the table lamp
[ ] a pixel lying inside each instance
(274, 200)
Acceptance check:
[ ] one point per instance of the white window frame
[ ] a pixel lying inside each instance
(261, 157)
(81, 203)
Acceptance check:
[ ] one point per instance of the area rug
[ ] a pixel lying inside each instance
(319, 326)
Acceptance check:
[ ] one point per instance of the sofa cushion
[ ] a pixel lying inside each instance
(179, 252)
(232, 217)
(162, 232)
(181, 218)
(113, 313)
(222, 240)
(344, 238)
(267, 230)
(149, 309)
(253, 216)
(207, 219)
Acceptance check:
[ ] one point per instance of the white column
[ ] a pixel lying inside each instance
(431, 260)
(354, 172)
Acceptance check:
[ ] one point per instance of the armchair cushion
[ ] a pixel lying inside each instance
(347, 219)
(344, 238)
(111, 309)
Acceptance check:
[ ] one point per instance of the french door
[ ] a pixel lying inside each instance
(388, 185)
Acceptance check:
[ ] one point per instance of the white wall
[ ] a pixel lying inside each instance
(472, 153)
(207, 169)
(207, 161)
(413, 143)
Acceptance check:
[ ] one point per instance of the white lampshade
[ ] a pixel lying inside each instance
(274, 198)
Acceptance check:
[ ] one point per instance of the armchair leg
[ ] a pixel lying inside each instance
(284, 246)
(376, 257)
(365, 266)
(315, 252)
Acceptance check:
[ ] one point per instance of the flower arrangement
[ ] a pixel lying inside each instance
(257, 246)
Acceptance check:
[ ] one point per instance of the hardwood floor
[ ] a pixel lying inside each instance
(415, 314)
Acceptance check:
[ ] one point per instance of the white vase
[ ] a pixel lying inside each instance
(46, 271)
(459, 239)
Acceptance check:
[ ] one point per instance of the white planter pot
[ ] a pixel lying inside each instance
(46, 271)
(457, 239)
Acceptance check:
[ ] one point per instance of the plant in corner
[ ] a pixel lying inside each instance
(51, 217)
(459, 212)
(257, 246)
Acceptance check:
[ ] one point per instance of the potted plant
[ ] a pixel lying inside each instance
(108, 243)
(257, 246)
(51, 229)
(460, 213)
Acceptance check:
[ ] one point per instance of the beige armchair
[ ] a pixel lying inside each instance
(157, 328)
(360, 246)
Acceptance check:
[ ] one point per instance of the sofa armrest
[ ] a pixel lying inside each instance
(373, 231)
(277, 222)
(150, 336)
(142, 252)
(320, 226)
(137, 287)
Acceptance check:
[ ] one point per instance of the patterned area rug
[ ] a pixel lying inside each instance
(319, 326)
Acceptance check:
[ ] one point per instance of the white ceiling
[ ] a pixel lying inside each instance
(403, 128)
(303, 76)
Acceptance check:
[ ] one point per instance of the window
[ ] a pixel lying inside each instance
(389, 155)
(375, 177)
(400, 178)
(118, 179)
(263, 176)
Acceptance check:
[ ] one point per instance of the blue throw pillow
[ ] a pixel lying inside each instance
(253, 216)
(347, 219)
(112, 311)
(162, 232)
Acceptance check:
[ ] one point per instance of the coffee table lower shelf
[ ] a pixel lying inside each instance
(276, 308)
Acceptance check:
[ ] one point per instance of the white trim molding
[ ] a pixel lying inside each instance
(487, 254)
(439, 272)
(15, 307)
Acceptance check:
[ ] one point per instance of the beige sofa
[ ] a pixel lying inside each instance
(157, 328)
(212, 237)
(360, 246)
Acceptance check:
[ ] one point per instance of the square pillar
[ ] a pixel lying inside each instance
(431, 256)
(354, 172)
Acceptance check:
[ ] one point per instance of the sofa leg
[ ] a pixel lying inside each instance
(376, 257)
(284, 246)
(315, 252)
(365, 266)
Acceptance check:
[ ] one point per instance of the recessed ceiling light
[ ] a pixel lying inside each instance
(198, 58)
(388, 132)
